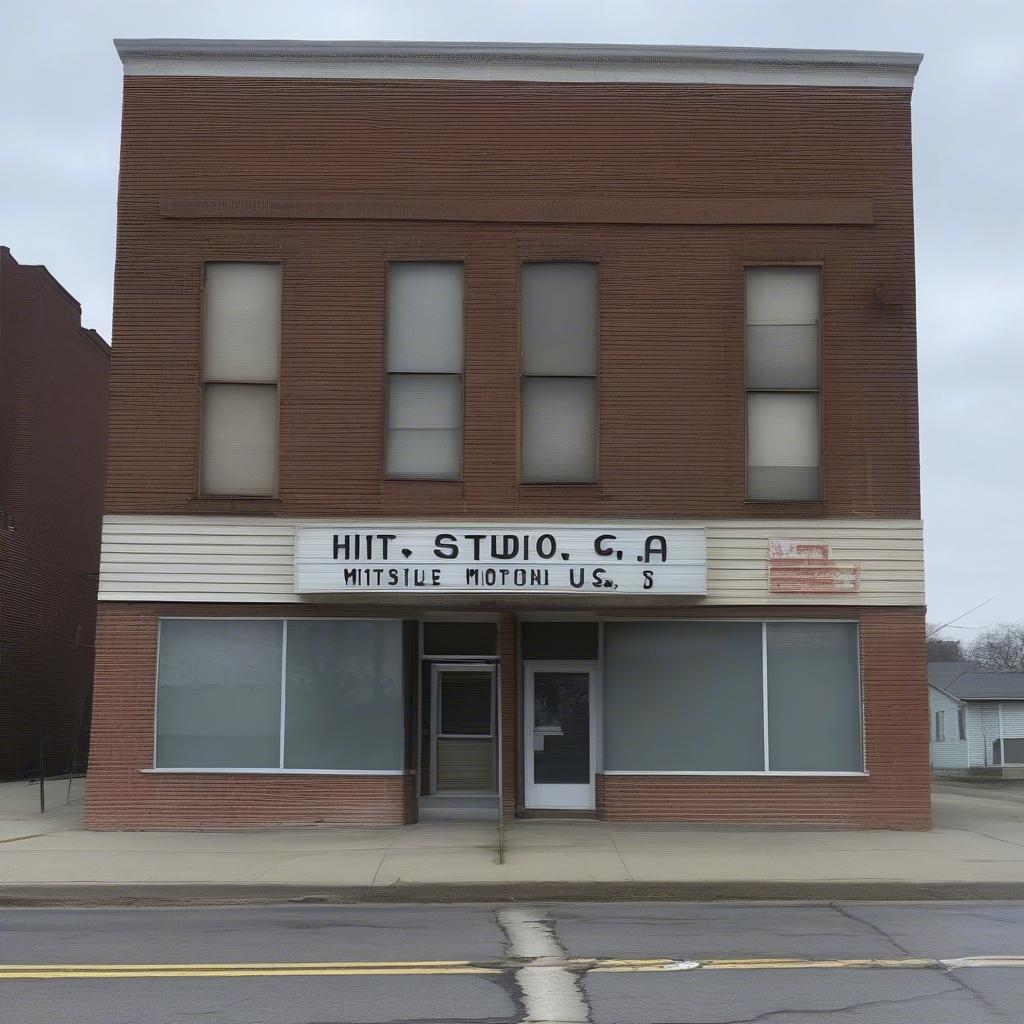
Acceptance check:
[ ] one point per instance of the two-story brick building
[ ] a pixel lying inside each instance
(512, 423)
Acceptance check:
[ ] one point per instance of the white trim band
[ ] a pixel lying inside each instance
(522, 62)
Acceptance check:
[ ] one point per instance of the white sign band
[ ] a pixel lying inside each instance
(444, 558)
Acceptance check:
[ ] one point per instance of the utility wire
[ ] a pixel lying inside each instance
(958, 618)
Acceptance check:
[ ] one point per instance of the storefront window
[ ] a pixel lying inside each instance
(220, 700)
(343, 695)
(219, 694)
(683, 696)
(689, 697)
(813, 697)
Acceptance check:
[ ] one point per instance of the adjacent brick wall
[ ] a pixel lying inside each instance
(119, 795)
(895, 794)
(53, 419)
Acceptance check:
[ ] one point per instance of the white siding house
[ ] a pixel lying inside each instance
(976, 718)
(947, 750)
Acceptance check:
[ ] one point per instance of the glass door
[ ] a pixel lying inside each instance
(560, 738)
(463, 729)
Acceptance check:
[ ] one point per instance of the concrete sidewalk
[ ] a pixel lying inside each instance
(976, 850)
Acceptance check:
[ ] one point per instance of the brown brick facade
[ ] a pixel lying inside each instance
(671, 435)
(121, 794)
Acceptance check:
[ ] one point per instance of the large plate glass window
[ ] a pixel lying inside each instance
(301, 694)
(783, 383)
(559, 341)
(424, 371)
(745, 697)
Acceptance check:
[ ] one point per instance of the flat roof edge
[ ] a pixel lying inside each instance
(592, 61)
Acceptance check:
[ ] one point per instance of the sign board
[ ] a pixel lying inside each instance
(446, 558)
(806, 567)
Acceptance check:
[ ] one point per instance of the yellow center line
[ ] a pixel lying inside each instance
(11, 972)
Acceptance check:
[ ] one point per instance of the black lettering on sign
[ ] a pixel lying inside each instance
(655, 544)
(546, 546)
(509, 546)
(648, 579)
(446, 546)
(475, 538)
(600, 547)
(573, 580)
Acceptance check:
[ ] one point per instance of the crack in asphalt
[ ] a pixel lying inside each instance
(953, 976)
(877, 929)
(817, 1012)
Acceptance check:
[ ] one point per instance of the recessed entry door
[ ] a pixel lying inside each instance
(560, 734)
(463, 733)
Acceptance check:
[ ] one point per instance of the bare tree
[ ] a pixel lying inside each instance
(999, 648)
(942, 649)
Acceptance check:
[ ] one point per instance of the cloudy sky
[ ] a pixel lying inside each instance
(60, 79)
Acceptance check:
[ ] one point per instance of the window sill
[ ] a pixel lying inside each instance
(545, 489)
(798, 775)
(274, 771)
(234, 503)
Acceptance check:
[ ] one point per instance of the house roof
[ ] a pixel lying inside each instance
(967, 680)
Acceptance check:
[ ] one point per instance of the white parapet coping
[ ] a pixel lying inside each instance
(523, 62)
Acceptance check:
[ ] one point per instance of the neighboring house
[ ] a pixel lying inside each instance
(53, 421)
(976, 718)
(512, 426)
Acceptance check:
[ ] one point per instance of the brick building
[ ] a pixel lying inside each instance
(520, 426)
(53, 421)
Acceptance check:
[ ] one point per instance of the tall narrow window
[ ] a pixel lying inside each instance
(241, 350)
(424, 368)
(559, 339)
(783, 443)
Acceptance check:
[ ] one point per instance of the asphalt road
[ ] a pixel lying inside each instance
(614, 963)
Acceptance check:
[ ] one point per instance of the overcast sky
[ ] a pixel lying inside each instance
(61, 81)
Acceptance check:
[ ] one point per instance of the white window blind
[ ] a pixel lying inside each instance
(783, 380)
(241, 352)
(424, 371)
(239, 438)
(559, 342)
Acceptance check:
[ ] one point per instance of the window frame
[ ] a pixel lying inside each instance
(961, 722)
(745, 267)
(201, 386)
(462, 262)
(532, 260)
(940, 726)
(280, 770)
(437, 669)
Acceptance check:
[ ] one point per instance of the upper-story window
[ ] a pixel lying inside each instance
(783, 382)
(559, 341)
(424, 371)
(240, 362)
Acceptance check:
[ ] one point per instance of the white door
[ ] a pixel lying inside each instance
(560, 736)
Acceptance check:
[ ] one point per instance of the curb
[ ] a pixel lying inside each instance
(183, 895)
